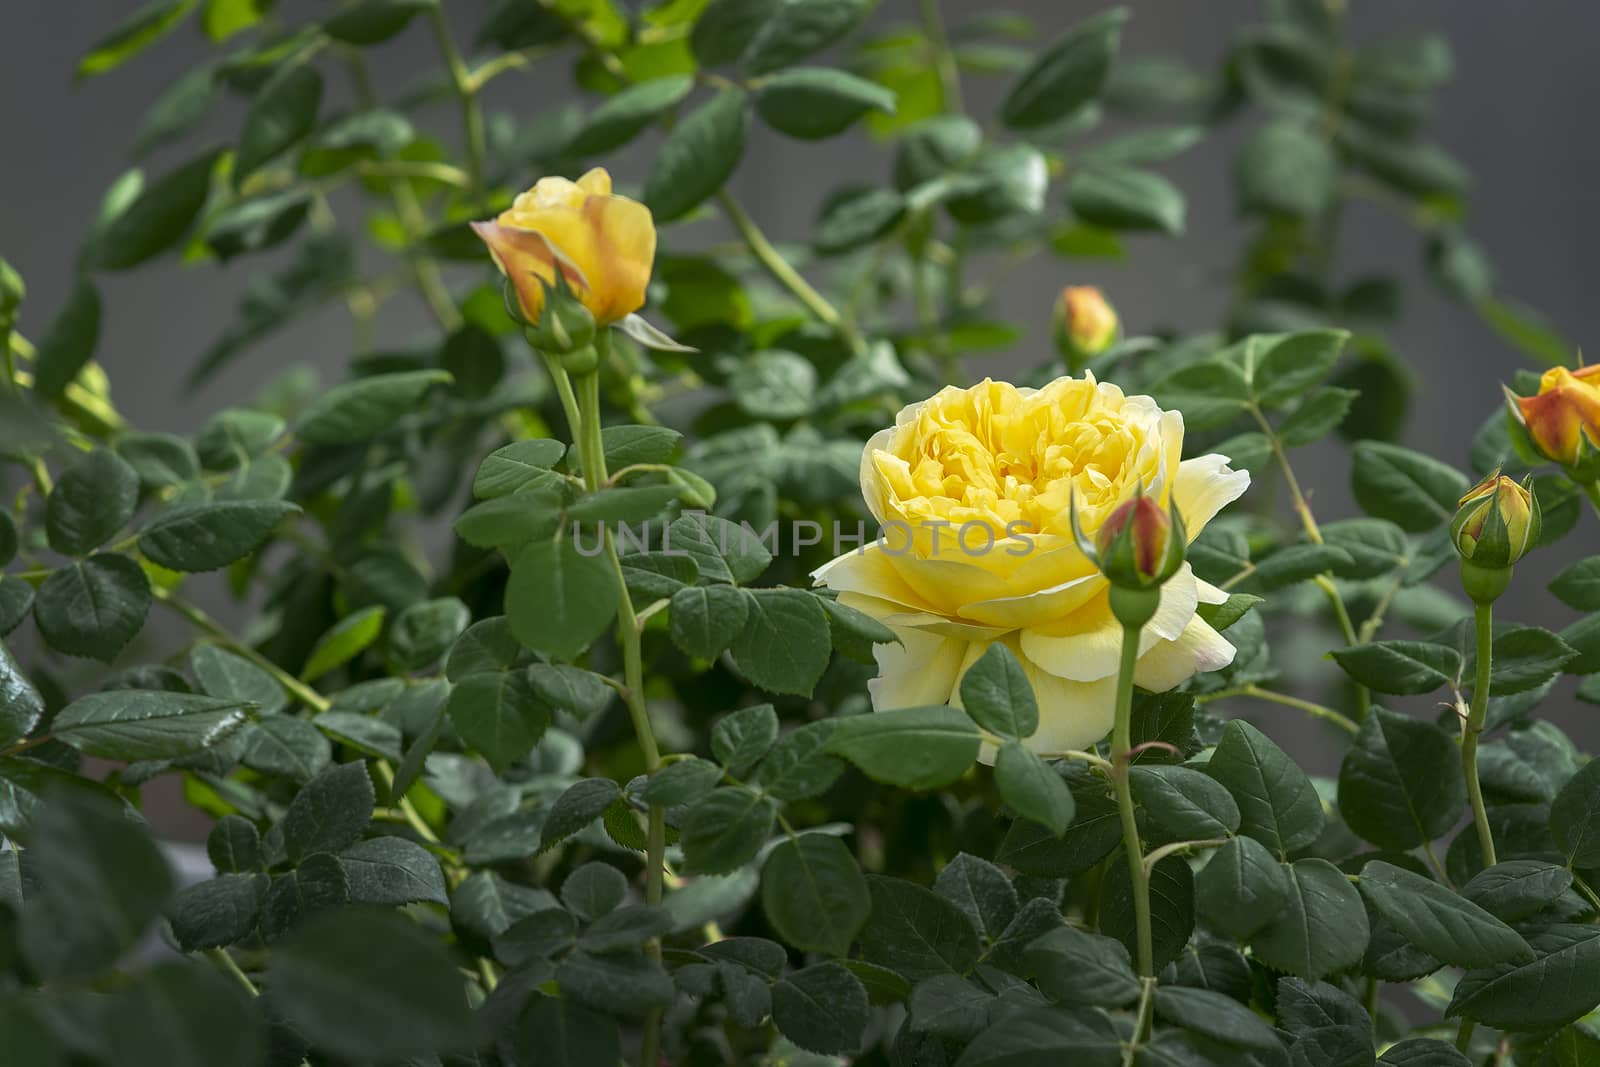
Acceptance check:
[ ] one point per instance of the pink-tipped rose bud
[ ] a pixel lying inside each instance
(1140, 544)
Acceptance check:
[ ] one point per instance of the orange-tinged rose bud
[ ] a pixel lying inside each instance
(1564, 412)
(602, 244)
(1496, 522)
(1085, 324)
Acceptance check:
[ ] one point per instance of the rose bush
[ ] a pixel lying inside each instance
(496, 672)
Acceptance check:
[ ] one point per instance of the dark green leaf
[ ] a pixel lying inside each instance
(355, 411)
(914, 748)
(1031, 786)
(998, 696)
(814, 894)
(1400, 784)
(1414, 491)
(139, 725)
(330, 812)
(1438, 921)
(799, 28)
(1322, 927)
(1554, 989)
(283, 112)
(1405, 667)
(786, 641)
(208, 537)
(1278, 805)
(497, 714)
(822, 1008)
(1241, 888)
(95, 498)
(698, 157)
(1122, 198)
(1065, 76)
(812, 103)
(725, 830)
(392, 870)
(915, 932)
(1076, 967)
(69, 341)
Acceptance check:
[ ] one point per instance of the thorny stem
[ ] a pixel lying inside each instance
(1483, 620)
(471, 112)
(594, 469)
(1324, 582)
(944, 60)
(1315, 710)
(784, 273)
(1121, 737)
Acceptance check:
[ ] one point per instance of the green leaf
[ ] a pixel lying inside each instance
(1322, 927)
(1423, 1052)
(94, 607)
(1415, 492)
(136, 724)
(1278, 805)
(335, 982)
(234, 845)
(1031, 786)
(1242, 888)
(224, 18)
(1077, 967)
(133, 35)
(619, 983)
(583, 802)
(177, 110)
(786, 641)
(1513, 890)
(1292, 365)
(774, 385)
(257, 223)
(813, 103)
(1317, 416)
(355, 411)
(69, 341)
(915, 932)
(509, 522)
(283, 112)
(95, 498)
(799, 28)
(1122, 198)
(1525, 658)
(1042, 1036)
(558, 599)
(223, 674)
(998, 696)
(582, 693)
(1216, 1016)
(682, 781)
(706, 619)
(1401, 784)
(980, 889)
(372, 22)
(425, 631)
(814, 894)
(721, 551)
(799, 765)
(724, 29)
(392, 870)
(1210, 393)
(1575, 817)
(1405, 667)
(208, 537)
(108, 881)
(851, 219)
(593, 890)
(539, 936)
(822, 1008)
(725, 830)
(346, 640)
(16, 600)
(1375, 546)
(1438, 921)
(287, 747)
(218, 912)
(330, 812)
(618, 120)
(1065, 76)
(515, 466)
(158, 218)
(698, 157)
(1285, 169)
(1525, 330)
(21, 706)
(1171, 907)
(742, 737)
(497, 713)
(914, 748)
(1554, 989)
(945, 1006)
(1188, 804)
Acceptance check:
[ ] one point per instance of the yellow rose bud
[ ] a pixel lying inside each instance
(1085, 325)
(1564, 412)
(975, 491)
(603, 245)
(1496, 522)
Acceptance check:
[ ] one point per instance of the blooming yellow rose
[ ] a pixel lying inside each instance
(973, 489)
(1564, 412)
(603, 244)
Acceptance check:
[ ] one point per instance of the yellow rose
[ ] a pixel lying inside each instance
(973, 489)
(604, 245)
(1564, 412)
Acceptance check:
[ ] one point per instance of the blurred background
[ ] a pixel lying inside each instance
(1516, 114)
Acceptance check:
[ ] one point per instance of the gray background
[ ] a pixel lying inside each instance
(1518, 114)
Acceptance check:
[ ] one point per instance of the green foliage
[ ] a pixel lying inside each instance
(513, 760)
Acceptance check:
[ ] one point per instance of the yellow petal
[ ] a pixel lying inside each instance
(922, 670)
(1204, 486)
(1197, 650)
(1087, 645)
(596, 182)
(1072, 715)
